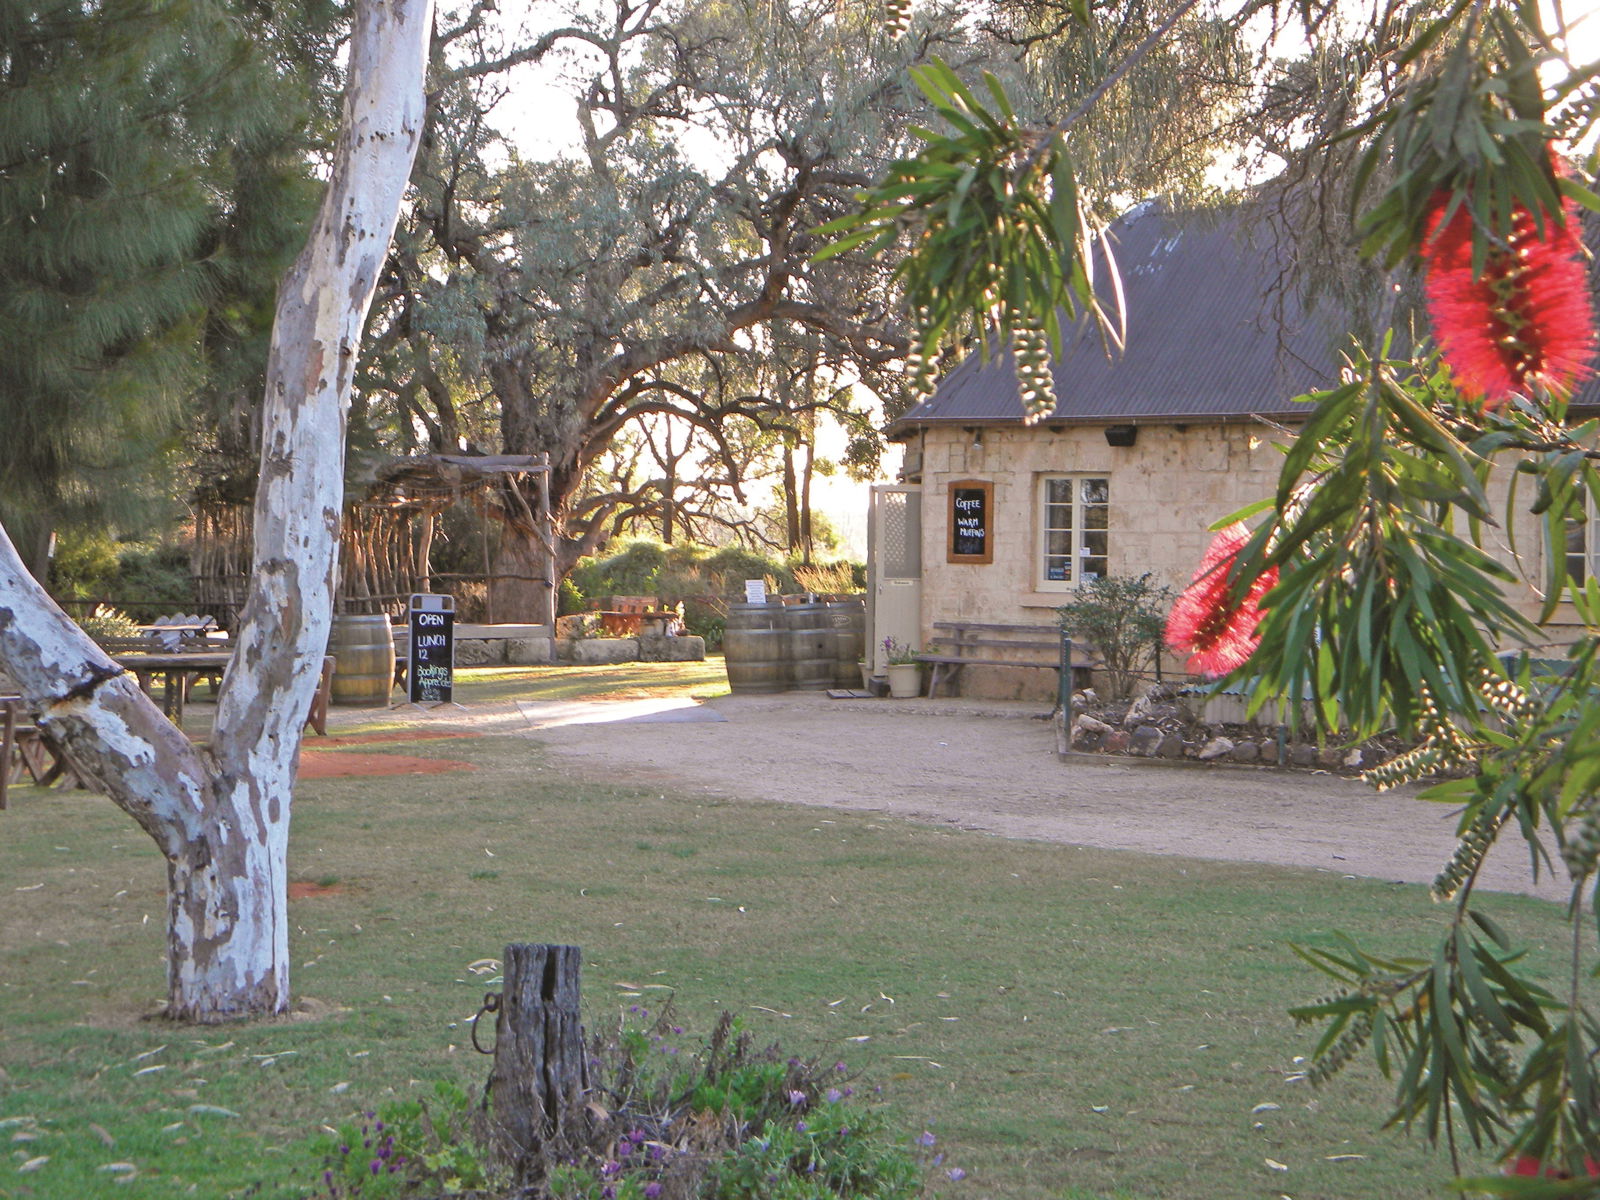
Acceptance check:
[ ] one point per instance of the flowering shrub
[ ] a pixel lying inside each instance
(725, 1121)
(898, 654)
(403, 1146)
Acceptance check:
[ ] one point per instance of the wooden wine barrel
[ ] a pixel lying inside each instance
(849, 621)
(753, 647)
(362, 645)
(811, 649)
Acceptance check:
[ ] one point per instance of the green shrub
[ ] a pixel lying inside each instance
(1122, 616)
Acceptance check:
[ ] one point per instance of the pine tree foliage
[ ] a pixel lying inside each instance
(143, 170)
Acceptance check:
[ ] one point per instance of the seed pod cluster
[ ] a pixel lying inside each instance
(920, 360)
(899, 17)
(1580, 841)
(1035, 380)
(1496, 1050)
(1416, 763)
(1342, 1051)
(1469, 854)
(1505, 697)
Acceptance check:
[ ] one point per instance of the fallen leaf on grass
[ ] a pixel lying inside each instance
(149, 1070)
(1267, 1107)
(33, 1164)
(34, 887)
(117, 1166)
(149, 1053)
(1100, 1108)
(105, 1138)
(212, 1110)
(1274, 1165)
(1345, 1158)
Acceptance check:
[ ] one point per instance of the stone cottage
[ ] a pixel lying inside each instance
(1143, 452)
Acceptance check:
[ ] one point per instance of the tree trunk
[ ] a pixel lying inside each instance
(223, 822)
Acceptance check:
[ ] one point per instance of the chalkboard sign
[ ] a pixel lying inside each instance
(431, 662)
(971, 538)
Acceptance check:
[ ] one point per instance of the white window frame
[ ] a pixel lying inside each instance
(1582, 548)
(1049, 521)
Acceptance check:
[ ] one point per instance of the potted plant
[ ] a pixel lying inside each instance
(903, 669)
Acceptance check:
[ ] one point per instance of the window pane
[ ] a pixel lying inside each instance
(1058, 491)
(1058, 516)
(1055, 569)
(1094, 544)
(1092, 568)
(1096, 517)
(1058, 543)
(1096, 491)
(1577, 550)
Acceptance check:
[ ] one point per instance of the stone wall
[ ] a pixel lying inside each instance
(1165, 491)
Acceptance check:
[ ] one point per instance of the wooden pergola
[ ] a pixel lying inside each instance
(387, 536)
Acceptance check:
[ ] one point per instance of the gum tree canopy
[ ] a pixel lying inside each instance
(1455, 140)
(221, 816)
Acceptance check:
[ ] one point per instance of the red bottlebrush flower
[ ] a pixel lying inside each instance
(1216, 633)
(1527, 320)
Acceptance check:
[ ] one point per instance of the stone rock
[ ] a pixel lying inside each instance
(1355, 758)
(478, 652)
(1079, 703)
(1246, 752)
(1330, 757)
(1088, 733)
(1089, 697)
(1171, 746)
(595, 652)
(1116, 742)
(1269, 750)
(1215, 748)
(530, 652)
(1303, 754)
(573, 625)
(1155, 706)
(672, 649)
(1146, 741)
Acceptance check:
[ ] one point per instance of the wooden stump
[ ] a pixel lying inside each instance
(539, 1079)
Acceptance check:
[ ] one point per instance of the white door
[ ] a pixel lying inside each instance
(894, 569)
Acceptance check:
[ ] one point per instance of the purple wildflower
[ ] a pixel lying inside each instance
(927, 1138)
(610, 1169)
(799, 1126)
(835, 1095)
(955, 1174)
(840, 1067)
(797, 1097)
(377, 1166)
(652, 1190)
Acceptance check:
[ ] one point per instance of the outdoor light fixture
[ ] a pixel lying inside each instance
(1121, 435)
(977, 439)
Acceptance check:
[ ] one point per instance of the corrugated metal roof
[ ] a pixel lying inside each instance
(1206, 339)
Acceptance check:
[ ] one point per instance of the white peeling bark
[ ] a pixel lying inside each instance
(222, 819)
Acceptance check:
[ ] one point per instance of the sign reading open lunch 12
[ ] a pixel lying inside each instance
(970, 504)
(431, 661)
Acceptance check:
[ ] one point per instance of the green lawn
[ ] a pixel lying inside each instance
(1070, 1023)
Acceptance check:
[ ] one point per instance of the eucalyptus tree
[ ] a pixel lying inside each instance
(1373, 592)
(220, 815)
(626, 279)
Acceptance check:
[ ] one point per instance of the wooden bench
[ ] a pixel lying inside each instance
(959, 644)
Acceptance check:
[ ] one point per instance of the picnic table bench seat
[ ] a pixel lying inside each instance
(961, 644)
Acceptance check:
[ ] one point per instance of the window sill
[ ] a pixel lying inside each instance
(1048, 599)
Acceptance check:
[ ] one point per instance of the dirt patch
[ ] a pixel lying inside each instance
(334, 764)
(300, 889)
(399, 735)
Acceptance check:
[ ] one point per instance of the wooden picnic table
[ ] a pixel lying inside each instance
(176, 669)
(36, 755)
